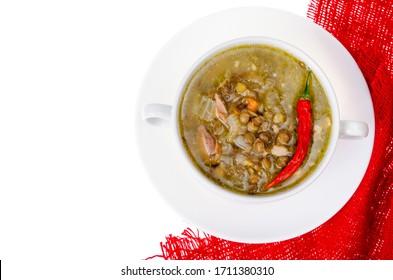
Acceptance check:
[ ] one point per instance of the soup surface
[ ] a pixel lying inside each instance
(238, 120)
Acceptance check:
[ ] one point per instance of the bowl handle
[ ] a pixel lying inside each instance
(353, 129)
(157, 114)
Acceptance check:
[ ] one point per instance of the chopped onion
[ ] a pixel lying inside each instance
(219, 130)
(241, 143)
(234, 127)
(262, 179)
(280, 151)
(240, 158)
(245, 180)
(226, 159)
(243, 130)
(206, 109)
(227, 149)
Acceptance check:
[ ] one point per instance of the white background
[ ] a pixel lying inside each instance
(75, 201)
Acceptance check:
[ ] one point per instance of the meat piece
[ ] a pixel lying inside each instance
(221, 111)
(207, 142)
(209, 147)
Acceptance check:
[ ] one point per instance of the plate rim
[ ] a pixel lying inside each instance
(140, 142)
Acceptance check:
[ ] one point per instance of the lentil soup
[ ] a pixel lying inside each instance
(238, 122)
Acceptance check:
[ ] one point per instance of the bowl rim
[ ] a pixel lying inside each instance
(317, 71)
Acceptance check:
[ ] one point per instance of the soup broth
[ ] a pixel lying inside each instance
(238, 120)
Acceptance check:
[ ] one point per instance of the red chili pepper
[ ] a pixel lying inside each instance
(304, 136)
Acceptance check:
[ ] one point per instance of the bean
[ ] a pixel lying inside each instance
(264, 137)
(254, 179)
(282, 161)
(240, 87)
(251, 127)
(278, 118)
(283, 137)
(268, 115)
(255, 166)
(265, 125)
(266, 163)
(256, 160)
(244, 117)
(243, 129)
(259, 147)
(214, 160)
(249, 138)
(253, 190)
(254, 86)
(256, 121)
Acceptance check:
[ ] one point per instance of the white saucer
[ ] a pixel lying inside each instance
(259, 222)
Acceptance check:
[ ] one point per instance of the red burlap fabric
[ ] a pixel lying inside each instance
(363, 229)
